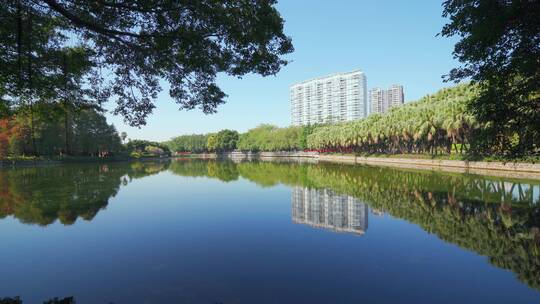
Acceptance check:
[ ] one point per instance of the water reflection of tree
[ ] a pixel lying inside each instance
(498, 218)
(18, 300)
(225, 171)
(493, 217)
(65, 193)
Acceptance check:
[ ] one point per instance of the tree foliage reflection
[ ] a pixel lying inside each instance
(43, 195)
(497, 218)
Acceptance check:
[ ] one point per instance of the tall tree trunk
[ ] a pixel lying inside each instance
(19, 44)
(30, 80)
(67, 148)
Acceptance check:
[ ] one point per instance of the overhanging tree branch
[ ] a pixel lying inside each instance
(89, 25)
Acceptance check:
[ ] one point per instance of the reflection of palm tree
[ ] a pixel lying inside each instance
(474, 212)
(18, 300)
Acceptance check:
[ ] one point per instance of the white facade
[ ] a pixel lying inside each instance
(381, 101)
(322, 208)
(395, 96)
(329, 99)
(378, 98)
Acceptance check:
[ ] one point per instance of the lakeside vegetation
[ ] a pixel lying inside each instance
(63, 62)
(262, 138)
(53, 130)
(435, 124)
(497, 114)
(438, 125)
(143, 148)
(52, 88)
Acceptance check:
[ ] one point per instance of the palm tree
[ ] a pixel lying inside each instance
(435, 123)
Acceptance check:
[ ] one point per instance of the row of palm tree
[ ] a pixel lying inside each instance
(435, 124)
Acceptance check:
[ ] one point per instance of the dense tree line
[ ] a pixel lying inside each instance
(262, 138)
(438, 123)
(222, 141)
(139, 147)
(441, 123)
(195, 143)
(435, 124)
(272, 138)
(49, 130)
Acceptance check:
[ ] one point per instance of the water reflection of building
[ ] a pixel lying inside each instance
(323, 208)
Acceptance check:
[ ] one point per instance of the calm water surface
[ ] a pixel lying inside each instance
(266, 232)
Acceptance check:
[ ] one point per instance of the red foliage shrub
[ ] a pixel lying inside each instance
(9, 129)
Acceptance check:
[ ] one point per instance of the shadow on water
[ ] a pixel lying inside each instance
(494, 217)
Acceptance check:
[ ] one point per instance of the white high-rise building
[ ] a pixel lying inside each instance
(378, 98)
(382, 100)
(329, 99)
(395, 96)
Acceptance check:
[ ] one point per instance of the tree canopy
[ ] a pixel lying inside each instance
(499, 47)
(225, 140)
(195, 143)
(140, 146)
(272, 138)
(434, 124)
(126, 50)
(51, 131)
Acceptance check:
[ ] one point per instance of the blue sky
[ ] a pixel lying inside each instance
(392, 41)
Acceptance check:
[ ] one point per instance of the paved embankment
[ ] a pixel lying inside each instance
(508, 169)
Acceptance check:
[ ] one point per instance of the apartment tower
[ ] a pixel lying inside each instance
(329, 99)
(382, 100)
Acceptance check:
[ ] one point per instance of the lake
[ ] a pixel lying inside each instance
(197, 231)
